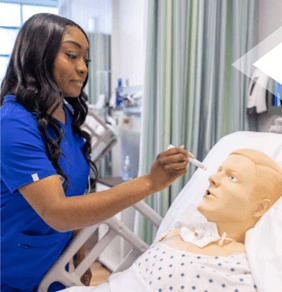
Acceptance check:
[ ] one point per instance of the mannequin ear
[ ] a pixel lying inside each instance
(262, 207)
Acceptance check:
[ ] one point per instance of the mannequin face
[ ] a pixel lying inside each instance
(231, 189)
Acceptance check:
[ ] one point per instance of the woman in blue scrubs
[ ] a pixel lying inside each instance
(45, 156)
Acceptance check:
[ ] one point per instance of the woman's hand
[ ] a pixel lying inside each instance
(86, 278)
(78, 258)
(168, 166)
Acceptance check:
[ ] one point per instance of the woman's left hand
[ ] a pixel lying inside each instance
(77, 259)
(86, 278)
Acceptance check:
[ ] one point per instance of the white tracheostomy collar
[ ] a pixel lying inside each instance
(196, 229)
(201, 236)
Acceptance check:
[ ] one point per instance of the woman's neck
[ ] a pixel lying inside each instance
(59, 113)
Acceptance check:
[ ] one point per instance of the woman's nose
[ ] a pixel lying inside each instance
(82, 67)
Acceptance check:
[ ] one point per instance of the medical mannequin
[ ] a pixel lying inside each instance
(45, 156)
(236, 200)
(246, 185)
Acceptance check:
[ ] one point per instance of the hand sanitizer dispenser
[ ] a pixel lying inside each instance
(126, 173)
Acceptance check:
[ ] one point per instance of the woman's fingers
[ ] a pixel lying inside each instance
(179, 157)
(175, 150)
(86, 278)
(174, 158)
(168, 166)
(176, 166)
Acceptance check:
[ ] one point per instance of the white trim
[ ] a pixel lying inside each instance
(35, 177)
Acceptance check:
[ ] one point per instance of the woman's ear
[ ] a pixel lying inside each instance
(262, 207)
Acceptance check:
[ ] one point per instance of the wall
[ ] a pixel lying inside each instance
(91, 15)
(124, 20)
(269, 20)
(128, 55)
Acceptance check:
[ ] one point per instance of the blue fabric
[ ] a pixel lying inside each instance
(29, 245)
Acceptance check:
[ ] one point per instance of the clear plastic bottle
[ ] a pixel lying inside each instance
(126, 172)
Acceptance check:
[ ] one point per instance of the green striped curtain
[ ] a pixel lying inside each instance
(99, 83)
(100, 55)
(192, 95)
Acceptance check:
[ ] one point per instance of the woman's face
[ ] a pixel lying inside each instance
(70, 65)
(231, 191)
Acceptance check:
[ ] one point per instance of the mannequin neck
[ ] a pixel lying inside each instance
(236, 230)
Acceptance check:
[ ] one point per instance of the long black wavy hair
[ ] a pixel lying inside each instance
(30, 78)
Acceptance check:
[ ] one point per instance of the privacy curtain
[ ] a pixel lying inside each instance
(100, 65)
(193, 96)
(99, 84)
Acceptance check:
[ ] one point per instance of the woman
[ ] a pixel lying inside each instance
(45, 155)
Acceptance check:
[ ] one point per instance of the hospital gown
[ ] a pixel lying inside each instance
(164, 268)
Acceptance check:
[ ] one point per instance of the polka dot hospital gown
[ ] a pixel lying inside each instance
(168, 269)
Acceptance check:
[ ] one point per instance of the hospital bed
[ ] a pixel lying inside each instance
(265, 259)
(103, 136)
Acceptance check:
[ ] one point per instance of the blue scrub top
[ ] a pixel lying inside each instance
(28, 245)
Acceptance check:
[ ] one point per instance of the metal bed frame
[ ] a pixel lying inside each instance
(58, 272)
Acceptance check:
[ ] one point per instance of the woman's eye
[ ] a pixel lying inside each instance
(87, 61)
(71, 55)
(233, 178)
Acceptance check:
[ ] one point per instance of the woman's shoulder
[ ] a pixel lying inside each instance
(14, 112)
(17, 121)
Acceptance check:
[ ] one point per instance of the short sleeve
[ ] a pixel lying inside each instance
(23, 153)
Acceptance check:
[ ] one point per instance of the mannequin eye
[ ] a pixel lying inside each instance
(233, 178)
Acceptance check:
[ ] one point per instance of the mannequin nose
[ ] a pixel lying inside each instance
(213, 179)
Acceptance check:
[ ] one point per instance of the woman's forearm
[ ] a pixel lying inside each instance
(46, 196)
(72, 213)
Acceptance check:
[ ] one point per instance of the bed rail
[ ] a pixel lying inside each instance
(58, 272)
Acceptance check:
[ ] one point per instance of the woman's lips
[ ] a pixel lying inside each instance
(78, 82)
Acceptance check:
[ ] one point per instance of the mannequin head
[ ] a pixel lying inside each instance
(246, 185)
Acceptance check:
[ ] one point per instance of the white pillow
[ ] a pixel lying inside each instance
(264, 250)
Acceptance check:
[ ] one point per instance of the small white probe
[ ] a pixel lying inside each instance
(192, 160)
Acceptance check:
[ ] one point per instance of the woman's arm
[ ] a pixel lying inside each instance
(63, 213)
